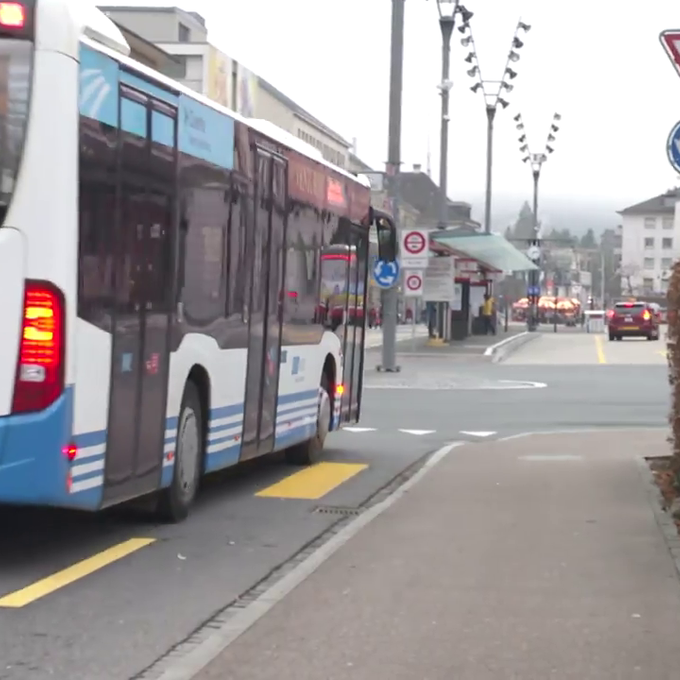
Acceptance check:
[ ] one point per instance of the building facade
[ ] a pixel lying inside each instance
(205, 69)
(650, 244)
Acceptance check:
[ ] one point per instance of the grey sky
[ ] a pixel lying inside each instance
(597, 62)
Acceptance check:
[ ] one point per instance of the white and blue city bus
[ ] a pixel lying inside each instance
(160, 273)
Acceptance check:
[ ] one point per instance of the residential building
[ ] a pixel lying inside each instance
(201, 66)
(650, 243)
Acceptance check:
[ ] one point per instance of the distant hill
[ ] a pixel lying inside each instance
(577, 215)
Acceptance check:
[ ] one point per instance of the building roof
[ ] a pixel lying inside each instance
(420, 190)
(358, 163)
(166, 10)
(663, 204)
(141, 47)
(302, 113)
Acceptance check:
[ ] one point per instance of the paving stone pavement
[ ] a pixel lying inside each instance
(534, 558)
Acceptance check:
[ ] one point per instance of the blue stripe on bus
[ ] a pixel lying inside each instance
(33, 468)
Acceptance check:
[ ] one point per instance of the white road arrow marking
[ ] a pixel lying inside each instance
(418, 433)
(478, 434)
(359, 429)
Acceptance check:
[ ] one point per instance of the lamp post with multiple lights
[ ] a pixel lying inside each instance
(536, 162)
(493, 99)
(448, 9)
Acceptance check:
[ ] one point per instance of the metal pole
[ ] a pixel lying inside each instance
(535, 275)
(446, 24)
(490, 115)
(390, 296)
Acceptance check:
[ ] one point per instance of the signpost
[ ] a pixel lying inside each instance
(413, 284)
(385, 274)
(673, 147)
(413, 288)
(415, 248)
(439, 279)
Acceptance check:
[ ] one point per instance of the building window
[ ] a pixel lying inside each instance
(668, 223)
(648, 284)
(650, 222)
(666, 243)
(649, 243)
(183, 33)
(649, 263)
(666, 263)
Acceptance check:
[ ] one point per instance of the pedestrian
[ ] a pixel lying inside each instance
(488, 310)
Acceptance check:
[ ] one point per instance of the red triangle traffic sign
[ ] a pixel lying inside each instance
(670, 40)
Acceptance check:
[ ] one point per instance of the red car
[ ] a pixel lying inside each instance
(633, 320)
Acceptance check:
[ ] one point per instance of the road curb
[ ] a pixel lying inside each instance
(503, 349)
(663, 519)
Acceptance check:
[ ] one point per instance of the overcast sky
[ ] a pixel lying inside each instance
(596, 62)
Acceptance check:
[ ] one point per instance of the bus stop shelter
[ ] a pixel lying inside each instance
(494, 256)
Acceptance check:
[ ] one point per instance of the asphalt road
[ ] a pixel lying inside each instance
(112, 622)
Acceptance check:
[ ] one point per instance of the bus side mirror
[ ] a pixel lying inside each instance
(387, 236)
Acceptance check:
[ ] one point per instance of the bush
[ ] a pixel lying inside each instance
(673, 354)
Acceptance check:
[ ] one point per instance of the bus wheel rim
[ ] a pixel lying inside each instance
(188, 452)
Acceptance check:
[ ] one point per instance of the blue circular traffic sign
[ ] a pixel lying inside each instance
(385, 274)
(673, 147)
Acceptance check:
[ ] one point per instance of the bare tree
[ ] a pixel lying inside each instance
(627, 272)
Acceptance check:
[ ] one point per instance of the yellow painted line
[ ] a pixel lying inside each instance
(314, 482)
(46, 586)
(600, 350)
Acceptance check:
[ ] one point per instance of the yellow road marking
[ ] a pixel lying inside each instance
(46, 586)
(600, 350)
(314, 482)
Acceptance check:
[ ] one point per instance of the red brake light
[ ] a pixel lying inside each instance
(70, 452)
(40, 369)
(610, 313)
(12, 15)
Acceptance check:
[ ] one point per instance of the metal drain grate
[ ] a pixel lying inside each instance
(337, 510)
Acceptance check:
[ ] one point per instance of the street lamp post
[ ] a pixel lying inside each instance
(390, 296)
(536, 161)
(447, 17)
(492, 100)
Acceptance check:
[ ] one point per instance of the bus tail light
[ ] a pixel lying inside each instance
(39, 378)
(339, 389)
(12, 14)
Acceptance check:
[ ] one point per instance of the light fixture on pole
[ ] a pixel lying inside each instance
(493, 100)
(536, 161)
(447, 9)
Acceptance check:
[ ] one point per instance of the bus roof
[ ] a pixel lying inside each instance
(101, 33)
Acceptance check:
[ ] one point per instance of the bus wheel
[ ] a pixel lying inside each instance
(309, 452)
(176, 500)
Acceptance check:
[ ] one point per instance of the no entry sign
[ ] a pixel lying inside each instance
(413, 284)
(415, 248)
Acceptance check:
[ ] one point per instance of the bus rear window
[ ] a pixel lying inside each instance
(16, 61)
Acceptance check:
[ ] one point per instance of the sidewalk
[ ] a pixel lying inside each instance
(374, 336)
(494, 567)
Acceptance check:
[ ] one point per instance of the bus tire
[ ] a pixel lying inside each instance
(309, 452)
(176, 501)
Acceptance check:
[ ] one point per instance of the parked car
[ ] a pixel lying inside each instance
(633, 320)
